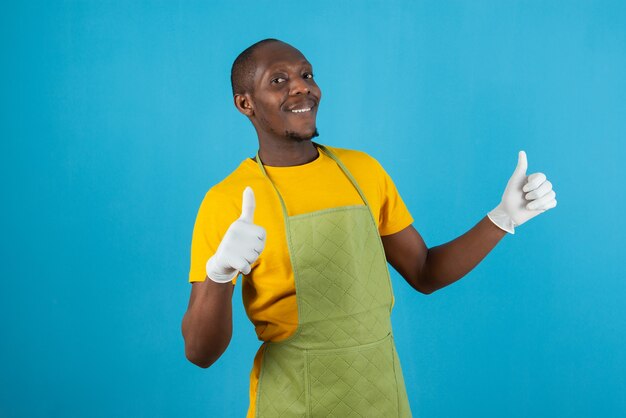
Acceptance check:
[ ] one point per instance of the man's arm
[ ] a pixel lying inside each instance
(207, 324)
(428, 270)
(431, 269)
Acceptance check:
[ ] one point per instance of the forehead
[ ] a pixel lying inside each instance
(276, 54)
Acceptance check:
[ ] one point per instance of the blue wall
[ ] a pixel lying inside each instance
(116, 118)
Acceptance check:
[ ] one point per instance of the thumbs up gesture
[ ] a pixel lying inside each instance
(524, 198)
(241, 246)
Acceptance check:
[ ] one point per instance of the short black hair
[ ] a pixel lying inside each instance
(242, 72)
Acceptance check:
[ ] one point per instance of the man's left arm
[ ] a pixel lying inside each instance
(428, 270)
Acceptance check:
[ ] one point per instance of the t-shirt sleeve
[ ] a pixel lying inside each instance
(215, 215)
(394, 215)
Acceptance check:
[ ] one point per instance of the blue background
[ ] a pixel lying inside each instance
(117, 117)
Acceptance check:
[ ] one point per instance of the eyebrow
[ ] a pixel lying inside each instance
(278, 65)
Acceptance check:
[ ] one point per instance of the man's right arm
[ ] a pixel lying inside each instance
(207, 324)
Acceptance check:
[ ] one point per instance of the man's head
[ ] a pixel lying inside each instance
(273, 85)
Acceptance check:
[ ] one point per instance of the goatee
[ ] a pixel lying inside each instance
(299, 137)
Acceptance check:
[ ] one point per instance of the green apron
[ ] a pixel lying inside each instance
(341, 360)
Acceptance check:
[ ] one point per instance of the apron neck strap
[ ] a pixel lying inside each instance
(333, 157)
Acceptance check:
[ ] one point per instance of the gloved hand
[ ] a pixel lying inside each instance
(241, 246)
(517, 207)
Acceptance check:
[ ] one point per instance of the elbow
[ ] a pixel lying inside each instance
(423, 282)
(424, 286)
(421, 287)
(425, 290)
(204, 355)
(204, 359)
(198, 359)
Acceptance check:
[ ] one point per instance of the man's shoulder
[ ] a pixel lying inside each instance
(357, 161)
(354, 156)
(233, 184)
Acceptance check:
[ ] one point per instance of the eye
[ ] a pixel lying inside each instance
(277, 80)
(308, 75)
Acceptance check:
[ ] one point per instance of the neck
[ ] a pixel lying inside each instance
(286, 153)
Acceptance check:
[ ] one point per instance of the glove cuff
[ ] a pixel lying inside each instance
(218, 277)
(502, 220)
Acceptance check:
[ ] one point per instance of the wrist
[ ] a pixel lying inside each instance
(502, 219)
(214, 273)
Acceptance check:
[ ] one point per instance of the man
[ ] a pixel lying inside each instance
(312, 235)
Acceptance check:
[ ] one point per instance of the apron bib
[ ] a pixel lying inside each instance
(341, 360)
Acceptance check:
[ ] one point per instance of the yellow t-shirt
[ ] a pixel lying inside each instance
(269, 294)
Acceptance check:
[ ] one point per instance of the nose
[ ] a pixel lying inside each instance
(299, 86)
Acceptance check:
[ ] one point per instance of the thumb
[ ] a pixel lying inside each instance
(247, 207)
(522, 165)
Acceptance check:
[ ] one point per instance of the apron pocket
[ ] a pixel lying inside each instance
(354, 381)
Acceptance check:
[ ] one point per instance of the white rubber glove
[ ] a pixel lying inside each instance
(517, 207)
(241, 246)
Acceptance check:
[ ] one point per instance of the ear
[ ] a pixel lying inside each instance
(243, 103)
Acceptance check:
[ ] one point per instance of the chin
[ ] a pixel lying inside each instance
(301, 136)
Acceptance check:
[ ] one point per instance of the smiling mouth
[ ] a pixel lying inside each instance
(307, 109)
(303, 107)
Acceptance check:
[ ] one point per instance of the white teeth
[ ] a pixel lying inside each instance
(301, 110)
